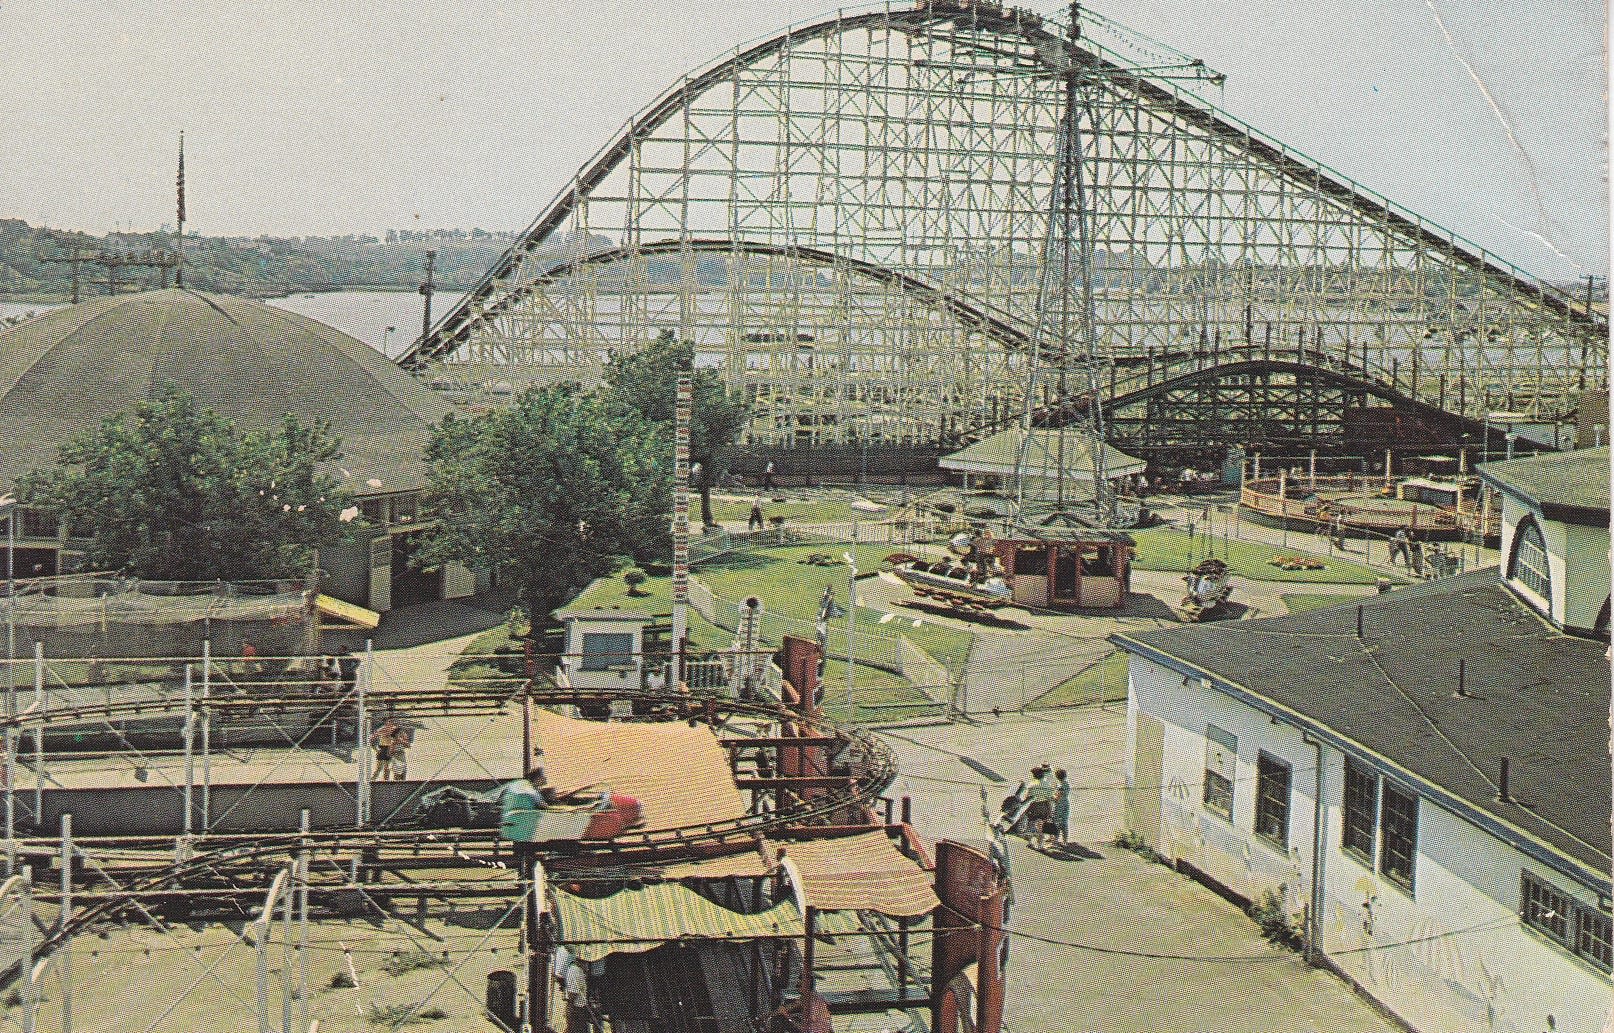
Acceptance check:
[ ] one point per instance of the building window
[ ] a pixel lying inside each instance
(1272, 799)
(1528, 565)
(1595, 938)
(1545, 909)
(1572, 924)
(604, 650)
(1031, 562)
(1361, 811)
(1398, 835)
(1221, 762)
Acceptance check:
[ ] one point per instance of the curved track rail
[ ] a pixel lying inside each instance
(870, 769)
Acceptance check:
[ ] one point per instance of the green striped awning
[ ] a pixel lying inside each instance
(644, 918)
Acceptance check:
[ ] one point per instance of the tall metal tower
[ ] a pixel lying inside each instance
(1065, 334)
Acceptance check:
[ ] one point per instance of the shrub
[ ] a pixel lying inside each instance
(399, 1014)
(1131, 839)
(1269, 913)
(409, 961)
(340, 980)
(634, 578)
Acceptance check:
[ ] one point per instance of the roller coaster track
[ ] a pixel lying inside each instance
(871, 769)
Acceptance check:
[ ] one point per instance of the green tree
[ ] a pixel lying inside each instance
(172, 491)
(645, 381)
(555, 489)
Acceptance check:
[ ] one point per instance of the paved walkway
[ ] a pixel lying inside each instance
(1108, 942)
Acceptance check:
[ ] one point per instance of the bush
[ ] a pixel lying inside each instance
(398, 1014)
(340, 980)
(1269, 913)
(1131, 839)
(409, 961)
(634, 577)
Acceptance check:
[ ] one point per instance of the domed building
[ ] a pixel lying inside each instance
(62, 373)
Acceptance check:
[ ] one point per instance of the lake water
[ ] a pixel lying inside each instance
(363, 314)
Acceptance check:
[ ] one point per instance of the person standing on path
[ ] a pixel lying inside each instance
(755, 521)
(767, 475)
(1041, 812)
(1061, 819)
(382, 742)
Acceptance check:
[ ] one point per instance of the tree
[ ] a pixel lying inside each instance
(646, 382)
(172, 491)
(556, 489)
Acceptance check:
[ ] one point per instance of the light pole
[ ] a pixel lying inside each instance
(8, 506)
(386, 335)
(851, 613)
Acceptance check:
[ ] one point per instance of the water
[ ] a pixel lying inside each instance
(363, 314)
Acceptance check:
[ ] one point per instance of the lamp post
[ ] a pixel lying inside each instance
(8, 507)
(851, 612)
(386, 335)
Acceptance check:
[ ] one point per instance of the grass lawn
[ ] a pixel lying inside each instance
(1105, 681)
(793, 588)
(1167, 548)
(1300, 602)
(811, 511)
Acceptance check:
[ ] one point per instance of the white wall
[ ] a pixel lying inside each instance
(1578, 558)
(1453, 957)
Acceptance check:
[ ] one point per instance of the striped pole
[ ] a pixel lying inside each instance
(680, 585)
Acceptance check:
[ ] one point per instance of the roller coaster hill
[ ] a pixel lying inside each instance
(859, 221)
(768, 883)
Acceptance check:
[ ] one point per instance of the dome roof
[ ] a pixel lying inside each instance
(66, 371)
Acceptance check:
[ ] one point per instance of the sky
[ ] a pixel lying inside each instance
(1486, 116)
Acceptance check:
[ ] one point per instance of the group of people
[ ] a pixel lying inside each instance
(1046, 817)
(1412, 552)
(338, 672)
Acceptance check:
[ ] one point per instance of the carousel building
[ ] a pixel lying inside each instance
(63, 373)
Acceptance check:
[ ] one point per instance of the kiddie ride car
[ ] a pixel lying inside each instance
(524, 816)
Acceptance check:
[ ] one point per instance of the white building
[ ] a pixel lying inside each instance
(1459, 830)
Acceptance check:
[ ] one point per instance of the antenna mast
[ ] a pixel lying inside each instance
(179, 244)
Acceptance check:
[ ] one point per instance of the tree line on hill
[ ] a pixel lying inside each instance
(259, 267)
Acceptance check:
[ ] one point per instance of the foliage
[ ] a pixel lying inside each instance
(645, 382)
(410, 961)
(1276, 924)
(172, 491)
(400, 1013)
(340, 980)
(1131, 839)
(633, 577)
(554, 489)
(261, 266)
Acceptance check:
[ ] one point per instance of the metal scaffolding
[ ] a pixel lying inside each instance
(849, 218)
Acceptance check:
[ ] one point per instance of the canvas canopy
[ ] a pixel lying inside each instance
(644, 918)
(998, 455)
(861, 873)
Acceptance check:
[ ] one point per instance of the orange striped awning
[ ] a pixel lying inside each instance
(864, 872)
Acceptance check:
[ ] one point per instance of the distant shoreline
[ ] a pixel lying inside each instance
(38, 298)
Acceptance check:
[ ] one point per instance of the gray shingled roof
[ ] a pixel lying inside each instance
(1537, 696)
(64, 372)
(1567, 485)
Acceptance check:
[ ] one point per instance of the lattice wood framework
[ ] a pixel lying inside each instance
(850, 217)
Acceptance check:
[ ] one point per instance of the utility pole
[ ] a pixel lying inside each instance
(75, 258)
(426, 291)
(1586, 338)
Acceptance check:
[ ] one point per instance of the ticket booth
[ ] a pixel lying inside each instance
(604, 648)
(1081, 571)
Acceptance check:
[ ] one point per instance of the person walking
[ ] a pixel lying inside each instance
(767, 475)
(1061, 819)
(755, 522)
(1398, 548)
(1041, 811)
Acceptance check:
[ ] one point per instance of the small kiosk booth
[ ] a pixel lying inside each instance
(604, 648)
(1067, 568)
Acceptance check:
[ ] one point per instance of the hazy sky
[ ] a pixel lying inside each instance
(309, 117)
